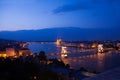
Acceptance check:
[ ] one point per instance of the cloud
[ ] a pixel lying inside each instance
(70, 8)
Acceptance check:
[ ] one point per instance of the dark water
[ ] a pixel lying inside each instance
(48, 48)
(90, 60)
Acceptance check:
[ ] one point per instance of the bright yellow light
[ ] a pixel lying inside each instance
(3, 55)
(15, 56)
(94, 46)
(20, 53)
(64, 55)
(35, 77)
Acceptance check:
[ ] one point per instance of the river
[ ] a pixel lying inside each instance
(92, 61)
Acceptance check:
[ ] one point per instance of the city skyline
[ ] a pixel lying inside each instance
(40, 14)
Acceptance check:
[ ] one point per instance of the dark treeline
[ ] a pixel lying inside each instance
(30, 68)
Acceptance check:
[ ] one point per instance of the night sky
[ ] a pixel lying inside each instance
(40, 14)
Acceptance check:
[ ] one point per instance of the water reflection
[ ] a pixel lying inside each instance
(90, 60)
(95, 62)
(101, 61)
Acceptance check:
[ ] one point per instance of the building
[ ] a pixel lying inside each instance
(24, 52)
(7, 52)
(58, 42)
(10, 52)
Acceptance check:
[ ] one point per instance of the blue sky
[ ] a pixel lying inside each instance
(39, 14)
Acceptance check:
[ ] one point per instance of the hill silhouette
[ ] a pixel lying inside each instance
(66, 33)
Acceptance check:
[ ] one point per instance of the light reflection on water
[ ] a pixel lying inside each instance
(95, 62)
(91, 61)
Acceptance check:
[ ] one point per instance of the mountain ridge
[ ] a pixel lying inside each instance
(66, 33)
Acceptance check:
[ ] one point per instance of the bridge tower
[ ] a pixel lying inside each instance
(64, 52)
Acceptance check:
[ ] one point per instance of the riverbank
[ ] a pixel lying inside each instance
(113, 74)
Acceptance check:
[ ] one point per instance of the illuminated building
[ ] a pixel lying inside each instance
(58, 42)
(3, 54)
(7, 52)
(10, 52)
(24, 52)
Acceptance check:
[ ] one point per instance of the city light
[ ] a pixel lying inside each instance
(58, 42)
(100, 48)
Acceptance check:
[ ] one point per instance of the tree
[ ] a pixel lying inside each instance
(42, 55)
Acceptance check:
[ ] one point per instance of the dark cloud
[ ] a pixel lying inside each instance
(69, 8)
